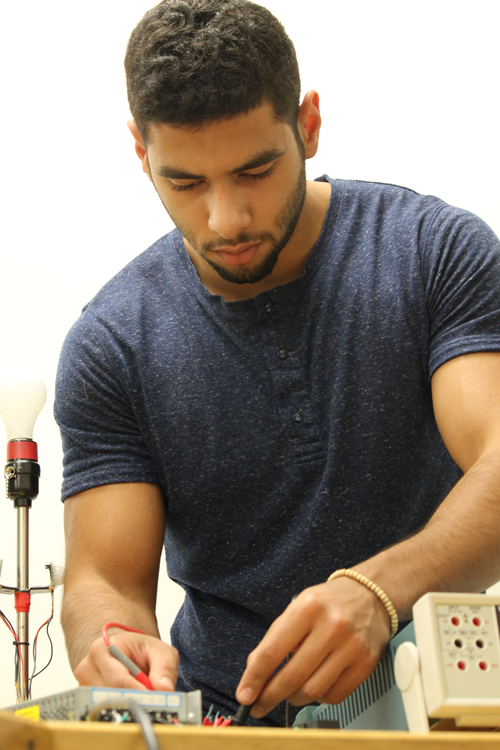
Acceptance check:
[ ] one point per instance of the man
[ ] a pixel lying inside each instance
(290, 383)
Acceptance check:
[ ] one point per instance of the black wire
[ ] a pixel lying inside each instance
(15, 643)
(51, 651)
(287, 705)
(6, 619)
(16, 662)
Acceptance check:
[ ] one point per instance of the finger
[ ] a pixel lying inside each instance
(156, 659)
(105, 671)
(116, 674)
(331, 647)
(87, 674)
(286, 632)
(112, 672)
(347, 682)
(342, 670)
(305, 662)
(164, 662)
(327, 630)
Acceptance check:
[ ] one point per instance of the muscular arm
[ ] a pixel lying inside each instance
(458, 549)
(114, 537)
(339, 630)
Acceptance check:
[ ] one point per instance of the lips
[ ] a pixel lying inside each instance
(239, 255)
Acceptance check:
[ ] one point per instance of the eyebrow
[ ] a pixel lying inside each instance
(264, 157)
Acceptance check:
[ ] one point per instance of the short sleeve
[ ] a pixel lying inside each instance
(102, 442)
(461, 264)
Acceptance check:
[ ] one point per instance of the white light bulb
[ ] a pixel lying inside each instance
(22, 395)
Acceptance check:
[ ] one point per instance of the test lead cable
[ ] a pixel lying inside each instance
(137, 712)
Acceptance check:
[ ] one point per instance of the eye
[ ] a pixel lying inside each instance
(183, 188)
(258, 175)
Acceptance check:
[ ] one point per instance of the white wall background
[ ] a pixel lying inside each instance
(409, 93)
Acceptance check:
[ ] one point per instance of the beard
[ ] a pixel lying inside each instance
(286, 221)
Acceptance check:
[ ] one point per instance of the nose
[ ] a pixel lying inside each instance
(228, 212)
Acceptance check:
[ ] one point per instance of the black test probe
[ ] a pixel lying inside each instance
(241, 715)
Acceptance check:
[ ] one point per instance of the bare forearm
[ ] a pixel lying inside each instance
(457, 550)
(86, 610)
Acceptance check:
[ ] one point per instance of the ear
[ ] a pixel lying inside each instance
(309, 123)
(140, 148)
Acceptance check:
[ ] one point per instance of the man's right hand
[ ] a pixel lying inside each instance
(155, 658)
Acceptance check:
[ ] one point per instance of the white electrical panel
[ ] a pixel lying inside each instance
(454, 670)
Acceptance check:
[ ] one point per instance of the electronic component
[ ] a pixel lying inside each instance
(445, 664)
(129, 711)
(76, 705)
(454, 670)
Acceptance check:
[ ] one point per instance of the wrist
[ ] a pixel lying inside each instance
(375, 589)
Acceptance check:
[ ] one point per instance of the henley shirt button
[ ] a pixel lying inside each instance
(297, 416)
(282, 353)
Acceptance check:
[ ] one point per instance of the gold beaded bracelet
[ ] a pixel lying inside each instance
(393, 615)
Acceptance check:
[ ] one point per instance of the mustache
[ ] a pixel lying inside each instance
(241, 239)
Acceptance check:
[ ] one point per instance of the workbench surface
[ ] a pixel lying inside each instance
(24, 734)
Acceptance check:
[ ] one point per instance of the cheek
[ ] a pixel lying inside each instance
(189, 216)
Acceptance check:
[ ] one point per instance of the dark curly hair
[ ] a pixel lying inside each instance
(190, 62)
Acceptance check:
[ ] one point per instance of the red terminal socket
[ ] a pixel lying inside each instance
(455, 621)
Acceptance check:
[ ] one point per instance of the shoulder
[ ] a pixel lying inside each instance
(153, 272)
(399, 213)
(153, 281)
(384, 199)
(125, 310)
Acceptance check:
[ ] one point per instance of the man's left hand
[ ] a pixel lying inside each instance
(336, 633)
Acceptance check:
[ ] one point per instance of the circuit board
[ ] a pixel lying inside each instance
(75, 705)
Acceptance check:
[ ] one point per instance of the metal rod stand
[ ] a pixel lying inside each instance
(23, 586)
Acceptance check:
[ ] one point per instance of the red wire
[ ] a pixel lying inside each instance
(220, 721)
(36, 636)
(116, 625)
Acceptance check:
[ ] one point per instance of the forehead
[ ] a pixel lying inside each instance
(218, 147)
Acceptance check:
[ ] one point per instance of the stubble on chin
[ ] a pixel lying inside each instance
(286, 220)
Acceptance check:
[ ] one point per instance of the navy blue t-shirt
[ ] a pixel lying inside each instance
(292, 434)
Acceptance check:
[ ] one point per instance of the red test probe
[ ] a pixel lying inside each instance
(134, 670)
